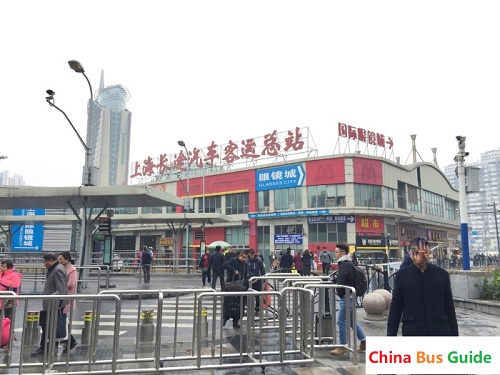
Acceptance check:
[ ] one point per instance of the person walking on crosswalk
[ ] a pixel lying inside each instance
(205, 267)
(215, 264)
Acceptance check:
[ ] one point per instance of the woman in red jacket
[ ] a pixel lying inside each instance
(10, 279)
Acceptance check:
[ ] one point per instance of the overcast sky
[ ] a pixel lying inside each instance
(229, 70)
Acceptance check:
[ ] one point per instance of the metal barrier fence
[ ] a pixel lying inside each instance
(194, 341)
(98, 277)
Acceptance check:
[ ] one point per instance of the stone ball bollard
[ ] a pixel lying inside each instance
(387, 296)
(374, 305)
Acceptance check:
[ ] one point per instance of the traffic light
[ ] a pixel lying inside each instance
(105, 225)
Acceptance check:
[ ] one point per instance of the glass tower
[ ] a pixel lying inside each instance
(108, 134)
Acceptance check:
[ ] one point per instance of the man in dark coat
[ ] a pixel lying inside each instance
(55, 283)
(215, 264)
(422, 298)
(286, 261)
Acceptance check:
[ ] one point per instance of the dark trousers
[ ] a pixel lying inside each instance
(218, 274)
(257, 285)
(205, 275)
(42, 337)
(146, 269)
(326, 268)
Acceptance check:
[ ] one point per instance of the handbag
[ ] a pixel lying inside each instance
(61, 328)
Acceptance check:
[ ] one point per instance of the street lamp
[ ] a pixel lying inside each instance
(87, 175)
(187, 205)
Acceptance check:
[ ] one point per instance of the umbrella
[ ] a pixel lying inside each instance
(223, 245)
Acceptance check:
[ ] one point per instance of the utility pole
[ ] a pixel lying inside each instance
(462, 194)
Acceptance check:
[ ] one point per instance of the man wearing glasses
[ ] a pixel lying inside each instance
(422, 297)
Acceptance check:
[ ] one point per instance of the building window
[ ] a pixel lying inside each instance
(451, 209)
(433, 204)
(326, 196)
(388, 197)
(288, 199)
(213, 204)
(238, 237)
(327, 233)
(237, 204)
(367, 195)
(263, 237)
(263, 201)
(401, 195)
(414, 198)
(151, 210)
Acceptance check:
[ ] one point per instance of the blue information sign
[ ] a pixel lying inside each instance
(288, 239)
(331, 219)
(270, 215)
(283, 177)
(27, 237)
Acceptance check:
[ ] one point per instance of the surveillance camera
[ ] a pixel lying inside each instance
(50, 92)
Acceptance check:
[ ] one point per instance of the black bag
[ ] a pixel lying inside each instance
(360, 281)
(232, 304)
(61, 331)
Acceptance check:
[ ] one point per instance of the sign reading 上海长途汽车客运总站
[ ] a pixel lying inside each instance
(284, 177)
(27, 236)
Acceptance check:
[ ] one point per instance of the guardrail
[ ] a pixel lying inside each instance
(195, 341)
(37, 275)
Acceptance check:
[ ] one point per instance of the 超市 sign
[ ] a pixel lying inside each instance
(283, 177)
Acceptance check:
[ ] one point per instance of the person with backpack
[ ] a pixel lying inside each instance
(346, 276)
(146, 260)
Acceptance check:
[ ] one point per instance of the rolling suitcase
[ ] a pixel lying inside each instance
(232, 304)
(324, 322)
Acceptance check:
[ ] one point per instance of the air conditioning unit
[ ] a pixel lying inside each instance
(331, 202)
(266, 208)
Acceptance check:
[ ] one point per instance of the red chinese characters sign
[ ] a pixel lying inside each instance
(369, 224)
(365, 136)
(272, 145)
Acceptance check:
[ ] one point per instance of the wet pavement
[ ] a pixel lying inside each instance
(470, 323)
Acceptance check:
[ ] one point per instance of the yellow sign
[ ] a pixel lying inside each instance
(164, 241)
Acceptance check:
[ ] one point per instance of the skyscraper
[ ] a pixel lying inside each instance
(108, 135)
(483, 233)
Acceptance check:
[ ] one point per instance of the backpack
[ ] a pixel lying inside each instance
(360, 281)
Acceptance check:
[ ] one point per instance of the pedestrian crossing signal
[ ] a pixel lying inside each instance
(105, 225)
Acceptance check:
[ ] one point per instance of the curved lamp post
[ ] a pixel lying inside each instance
(87, 180)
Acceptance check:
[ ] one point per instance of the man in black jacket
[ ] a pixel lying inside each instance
(236, 268)
(422, 298)
(346, 277)
(216, 262)
(286, 261)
